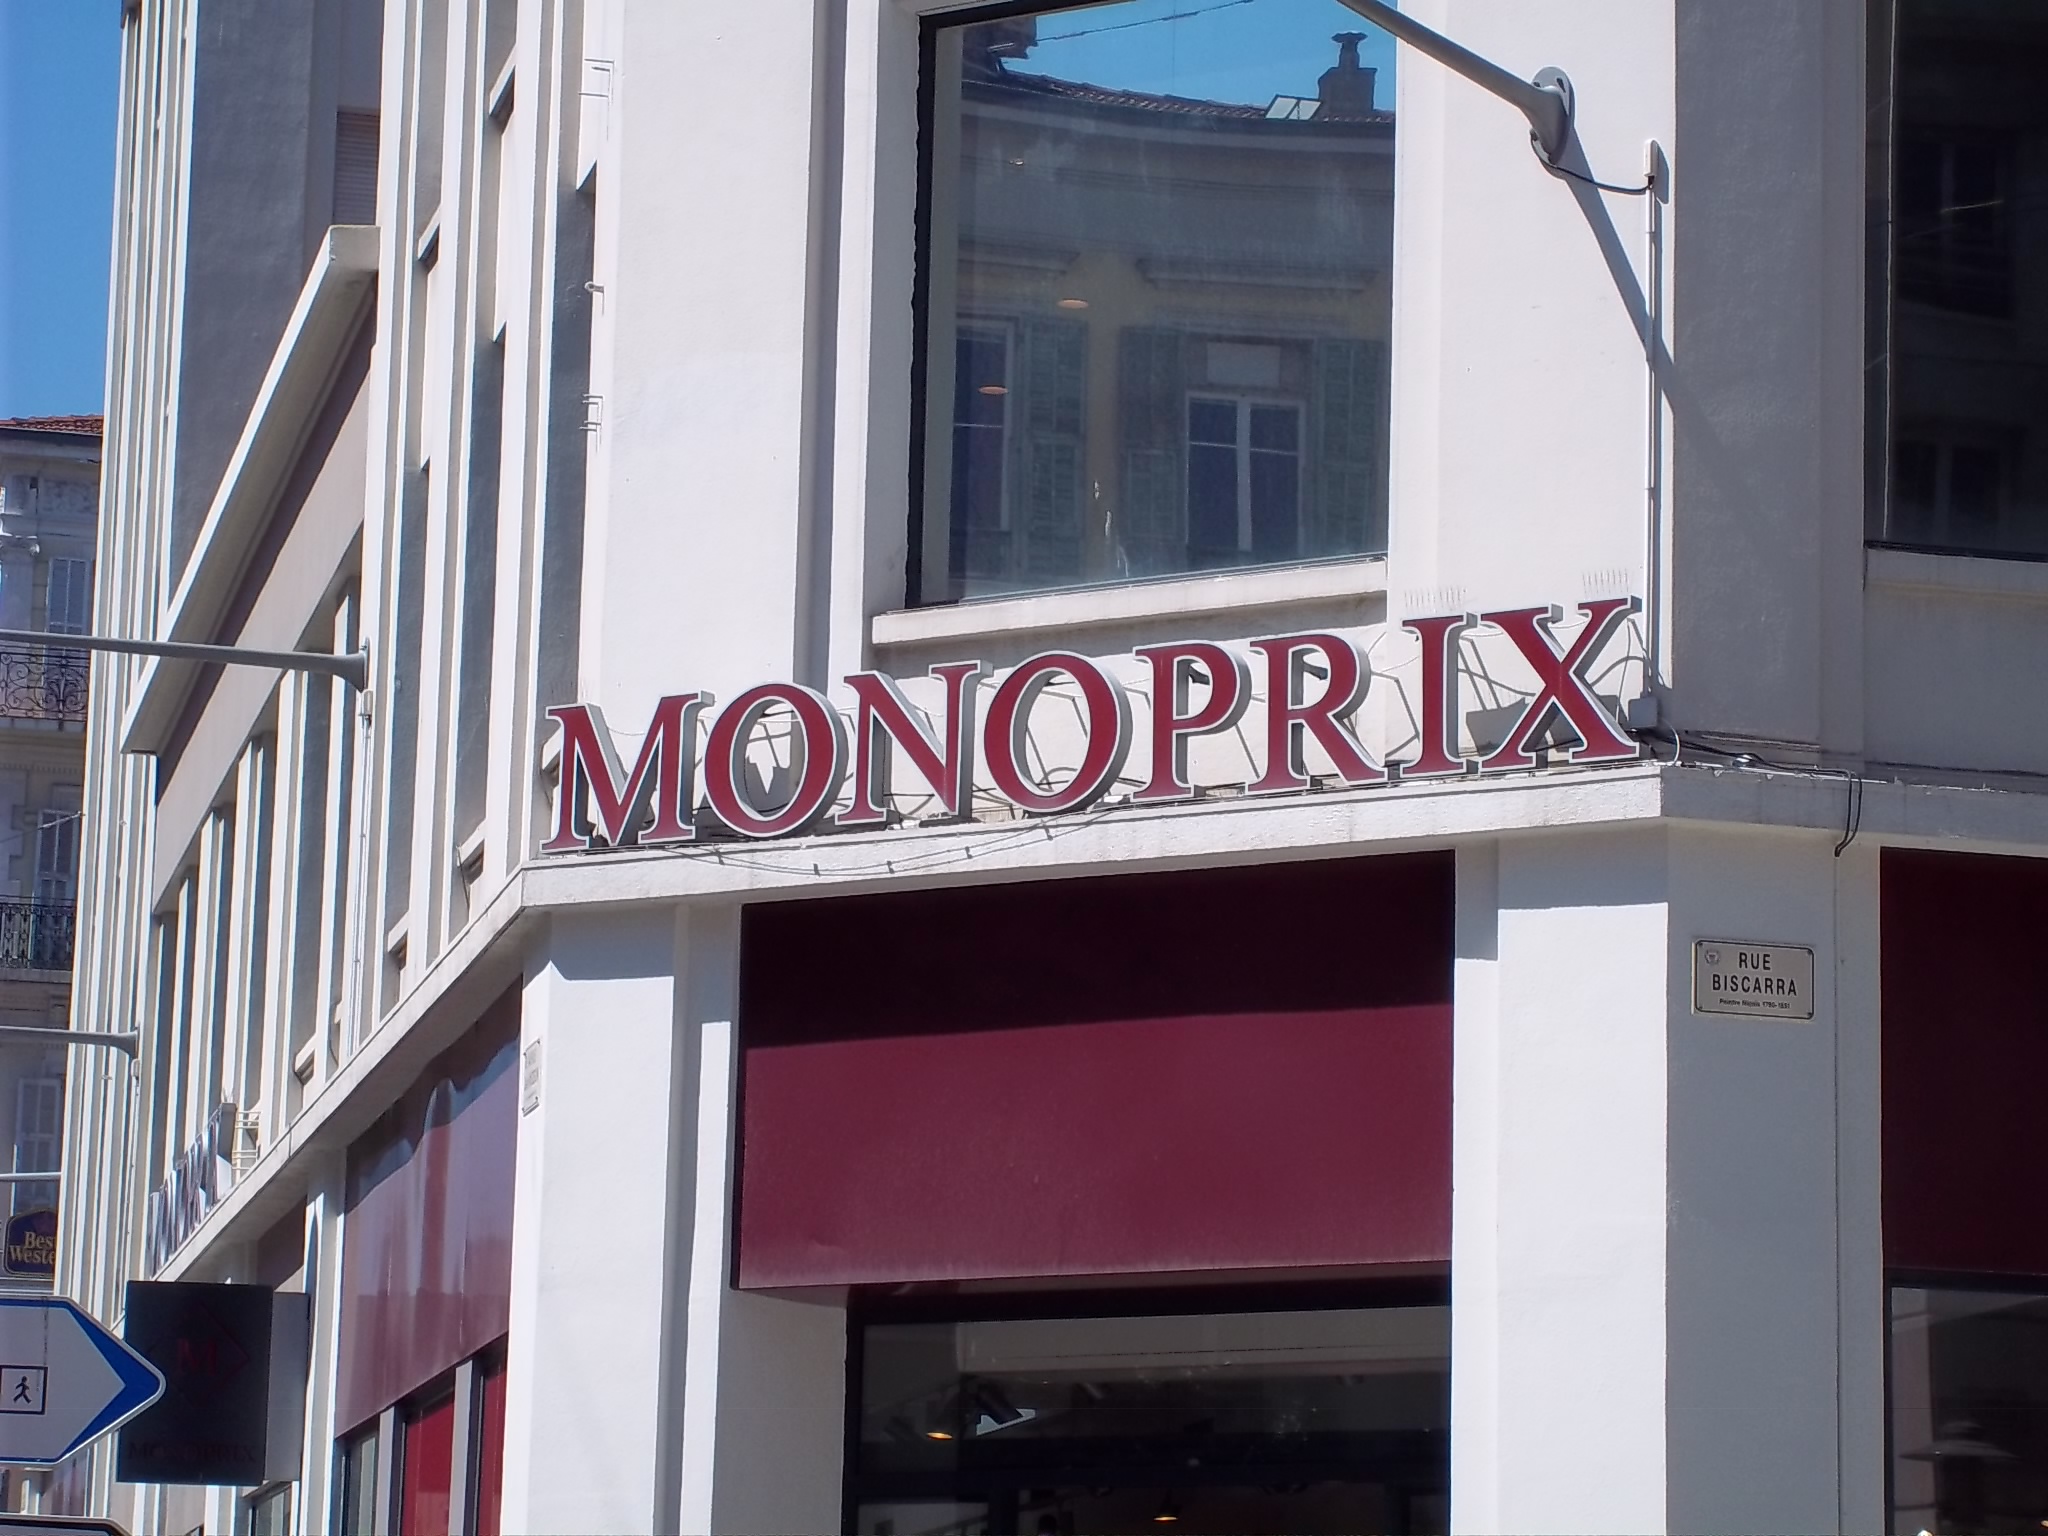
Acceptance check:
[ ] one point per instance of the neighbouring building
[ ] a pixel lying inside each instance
(49, 506)
(1114, 774)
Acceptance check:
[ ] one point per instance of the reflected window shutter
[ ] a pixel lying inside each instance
(1046, 489)
(1346, 514)
(1152, 385)
(355, 168)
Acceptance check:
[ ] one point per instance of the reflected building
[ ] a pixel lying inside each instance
(1168, 323)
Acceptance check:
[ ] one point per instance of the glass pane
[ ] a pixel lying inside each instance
(1969, 1409)
(1276, 493)
(1179, 222)
(1275, 427)
(359, 1485)
(1958, 370)
(1212, 421)
(1244, 1422)
(270, 1514)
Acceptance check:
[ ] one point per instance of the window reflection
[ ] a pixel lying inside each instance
(1231, 1422)
(1157, 288)
(1969, 1407)
(1958, 167)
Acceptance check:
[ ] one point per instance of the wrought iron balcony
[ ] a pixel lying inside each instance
(36, 935)
(43, 683)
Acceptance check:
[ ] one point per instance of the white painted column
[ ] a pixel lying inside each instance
(586, 1427)
(764, 1377)
(326, 1191)
(1759, 1344)
(1557, 1215)
(1664, 1314)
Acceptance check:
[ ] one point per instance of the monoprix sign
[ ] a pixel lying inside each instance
(1290, 699)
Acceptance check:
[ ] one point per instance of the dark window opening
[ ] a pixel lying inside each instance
(1226, 1421)
(1969, 1407)
(1957, 292)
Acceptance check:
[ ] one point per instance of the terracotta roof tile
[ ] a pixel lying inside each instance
(84, 426)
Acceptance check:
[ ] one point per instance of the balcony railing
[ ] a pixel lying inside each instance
(36, 935)
(43, 683)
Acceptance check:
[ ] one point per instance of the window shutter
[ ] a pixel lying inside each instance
(355, 168)
(1346, 515)
(1152, 385)
(1046, 464)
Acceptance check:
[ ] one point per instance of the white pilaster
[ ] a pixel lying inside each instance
(1558, 1206)
(585, 1427)
(1658, 1322)
(764, 1376)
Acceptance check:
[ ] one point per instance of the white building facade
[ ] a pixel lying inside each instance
(1113, 775)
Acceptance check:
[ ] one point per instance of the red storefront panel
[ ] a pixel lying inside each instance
(426, 1268)
(1964, 941)
(1230, 1069)
(426, 1472)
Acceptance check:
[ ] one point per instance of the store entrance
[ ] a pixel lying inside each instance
(1330, 1420)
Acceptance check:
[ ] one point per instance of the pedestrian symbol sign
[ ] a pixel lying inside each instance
(64, 1379)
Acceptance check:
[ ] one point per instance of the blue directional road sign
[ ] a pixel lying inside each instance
(63, 1379)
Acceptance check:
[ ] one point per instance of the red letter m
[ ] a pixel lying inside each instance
(618, 805)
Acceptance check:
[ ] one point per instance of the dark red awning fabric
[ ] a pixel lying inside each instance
(1227, 1069)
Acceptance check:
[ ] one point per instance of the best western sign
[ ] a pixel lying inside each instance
(1059, 731)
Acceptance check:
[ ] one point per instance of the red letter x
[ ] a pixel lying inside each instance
(1564, 688)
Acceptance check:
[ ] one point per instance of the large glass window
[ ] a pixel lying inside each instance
(1969, 1410)
(1155, 286)
(1241, 1422)
(1958, 276)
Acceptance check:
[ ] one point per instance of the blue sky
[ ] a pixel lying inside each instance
(1220, 50)
(60, 63)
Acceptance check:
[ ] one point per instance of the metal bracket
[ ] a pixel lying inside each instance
(352, 667)
(129, 1040)
(1545, 101)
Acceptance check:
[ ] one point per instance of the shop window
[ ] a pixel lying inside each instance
(1155, 294)
(1969, 1408)
(490, 1449)
(1243, 1421)
(1957, 418)
(426, 1470)
(269, 1512)
(358, 1491)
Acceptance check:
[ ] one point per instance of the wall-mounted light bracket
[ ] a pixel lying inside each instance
(352, 667)
(128, 1040)
(1545, 101)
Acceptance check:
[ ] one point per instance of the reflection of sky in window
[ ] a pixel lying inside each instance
(1246, 51)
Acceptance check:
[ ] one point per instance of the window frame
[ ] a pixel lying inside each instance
(1246, 402)
(917, 591)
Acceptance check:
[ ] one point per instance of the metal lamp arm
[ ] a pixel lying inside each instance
(1546, 101)
(352, 667)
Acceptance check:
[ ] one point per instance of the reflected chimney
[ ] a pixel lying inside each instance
(1346, 91)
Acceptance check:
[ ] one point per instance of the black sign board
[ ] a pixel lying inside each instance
(233, 1358)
